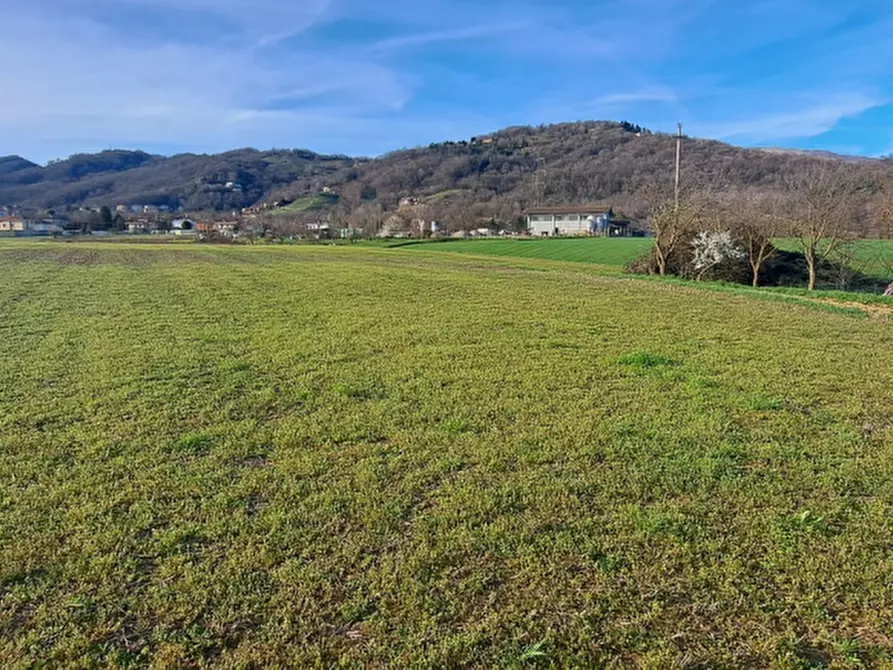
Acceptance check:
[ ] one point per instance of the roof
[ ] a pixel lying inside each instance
(586, 209)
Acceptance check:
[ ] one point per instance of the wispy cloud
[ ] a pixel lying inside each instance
(460, 34)
(808, 121)
(631, 97)
(361, 76)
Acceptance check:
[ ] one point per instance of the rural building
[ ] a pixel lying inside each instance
(588, 220)
(46, 227)
(12, 224)
(225, 228)
(222, 228)
(319, 230)
(350, 233)
(182, 227)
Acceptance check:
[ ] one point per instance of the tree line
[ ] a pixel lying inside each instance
(712, 228)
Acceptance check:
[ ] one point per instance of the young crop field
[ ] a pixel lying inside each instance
(356, 457)
(872, 257)
(597, 250)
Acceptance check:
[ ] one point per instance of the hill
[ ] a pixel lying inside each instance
(464, 183)
(194, 182)
(500, 175)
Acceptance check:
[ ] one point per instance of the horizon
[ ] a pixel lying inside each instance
(688, 136)
(352, 77)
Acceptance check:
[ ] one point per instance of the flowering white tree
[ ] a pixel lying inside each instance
(711, 249)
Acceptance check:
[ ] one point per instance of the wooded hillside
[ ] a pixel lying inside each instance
(464, 183)
(500, 175)
(194, 182)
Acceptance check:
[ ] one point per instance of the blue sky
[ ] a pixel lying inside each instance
(369, 76)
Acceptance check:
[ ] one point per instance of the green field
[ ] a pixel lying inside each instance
(596, 250)
(873, 257)
(309, 203)
(318, 456)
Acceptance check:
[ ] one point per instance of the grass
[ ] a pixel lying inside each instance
(359, 457)
(601, 251)
(871, 257)
(310, 203)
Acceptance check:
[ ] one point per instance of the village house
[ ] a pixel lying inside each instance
(226, 228)
(570, 221)
(12, 224)
(319, 230)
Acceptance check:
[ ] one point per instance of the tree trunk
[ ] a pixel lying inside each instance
(756, 275)
(809, 252)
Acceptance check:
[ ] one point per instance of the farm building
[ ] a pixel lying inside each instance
(12, 224)
(588, 220)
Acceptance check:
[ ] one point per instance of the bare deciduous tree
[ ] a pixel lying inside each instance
(760, 219)
(672, 223)
(824, 209)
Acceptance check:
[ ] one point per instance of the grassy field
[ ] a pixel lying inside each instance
(342, 456)
(872, 257)
(600, 251)
(310, 203)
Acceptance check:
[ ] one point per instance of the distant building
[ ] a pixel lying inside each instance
(320, 230)
(575, 221)
(350, 233)
(138, 227)
(226, 228)
(12, 224)
(46, 227)
(183, 227)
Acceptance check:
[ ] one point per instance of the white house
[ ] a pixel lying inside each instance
(570, 221)
(12, 224)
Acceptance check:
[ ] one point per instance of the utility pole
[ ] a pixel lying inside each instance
(678, 165)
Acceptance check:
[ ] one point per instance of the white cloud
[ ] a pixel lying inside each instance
(808, 121)
(82, 83)
(650, 94)
(459, 34)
